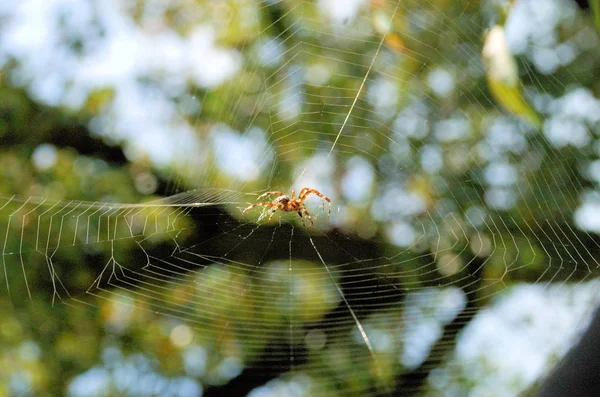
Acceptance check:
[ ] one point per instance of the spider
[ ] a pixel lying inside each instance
(286, 204)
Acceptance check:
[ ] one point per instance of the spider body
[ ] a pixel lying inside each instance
(287, 204)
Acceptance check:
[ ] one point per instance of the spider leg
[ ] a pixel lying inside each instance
(267, 194)
(322, 196)
(274, 209)
(303, 210)
(293, 194)
(302, 193)
(264, 204)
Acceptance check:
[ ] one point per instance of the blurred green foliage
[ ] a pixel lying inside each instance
(90, 283)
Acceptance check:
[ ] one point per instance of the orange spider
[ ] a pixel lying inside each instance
(286, 204)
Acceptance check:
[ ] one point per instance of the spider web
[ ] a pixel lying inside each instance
(450, 216)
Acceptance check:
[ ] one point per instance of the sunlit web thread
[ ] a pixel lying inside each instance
(51, 223)
(4, 248)
(362, 84)
(363, 334)
(360, 89)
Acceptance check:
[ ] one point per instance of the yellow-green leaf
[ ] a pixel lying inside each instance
(503, 77)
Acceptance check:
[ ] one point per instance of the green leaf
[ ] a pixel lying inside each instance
(595, 6)
(503, 77)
